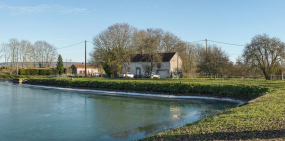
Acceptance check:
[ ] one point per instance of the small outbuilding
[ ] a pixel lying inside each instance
(79, 69)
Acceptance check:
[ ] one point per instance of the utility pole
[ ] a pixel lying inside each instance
(206, 44)
(17, 70)
(282, 69)
(206, 53)
(85, 60)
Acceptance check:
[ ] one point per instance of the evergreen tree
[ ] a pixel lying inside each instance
(59, 65)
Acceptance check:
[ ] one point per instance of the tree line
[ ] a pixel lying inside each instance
(115, 46)
(40, 54)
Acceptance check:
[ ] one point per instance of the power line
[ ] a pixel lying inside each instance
(226, 43)
(71, 45)
(196, 41)
(186, 41)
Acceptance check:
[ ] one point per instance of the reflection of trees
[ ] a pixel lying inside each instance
(207, 113)
(120, 113)
(162, 102)
(122, 135)
(147, 130)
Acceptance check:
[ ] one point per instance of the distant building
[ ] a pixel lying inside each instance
(36, 64)
(169, 63)
(79, 69)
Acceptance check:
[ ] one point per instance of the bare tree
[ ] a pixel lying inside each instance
(213, 62)
(171, 43)
(138, 39)
(39, 52)
(265, 53)
(14, 46)
(25, 52)
(5, 52)
(190, 57)
(113, 48)
(50, 54)
(44, 53)
(151, 47)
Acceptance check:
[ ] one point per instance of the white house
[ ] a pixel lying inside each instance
(79, 69)
(169, 63)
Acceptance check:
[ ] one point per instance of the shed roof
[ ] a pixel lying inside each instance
(165, 57)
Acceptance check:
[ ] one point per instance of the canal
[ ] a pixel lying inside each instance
(33, 114)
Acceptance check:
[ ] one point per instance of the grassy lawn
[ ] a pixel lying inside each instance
(262, 117)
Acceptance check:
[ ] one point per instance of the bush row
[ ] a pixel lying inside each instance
(38, 71)
(239, 90)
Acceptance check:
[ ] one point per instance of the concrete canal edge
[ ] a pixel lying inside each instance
(19, 80)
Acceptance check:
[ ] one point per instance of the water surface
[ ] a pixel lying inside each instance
(32, 114)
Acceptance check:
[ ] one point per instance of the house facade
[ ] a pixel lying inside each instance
(79, 69)
(169, 63)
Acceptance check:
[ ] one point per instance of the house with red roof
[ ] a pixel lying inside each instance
(79, 69)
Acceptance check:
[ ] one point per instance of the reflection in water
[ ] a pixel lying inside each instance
(147, 130)
(172, 108)
(31, 114)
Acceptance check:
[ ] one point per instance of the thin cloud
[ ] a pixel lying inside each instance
(41, 9)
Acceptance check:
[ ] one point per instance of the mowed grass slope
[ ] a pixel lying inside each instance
(263, 117)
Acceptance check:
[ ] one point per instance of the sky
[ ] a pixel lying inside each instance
(67, 22)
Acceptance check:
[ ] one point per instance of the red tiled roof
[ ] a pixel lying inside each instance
(165, 57)
(83, 66)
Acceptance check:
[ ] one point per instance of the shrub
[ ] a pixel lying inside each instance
(235, 90)
(54, 72)
(42, 71)
(29, 71)
(48, 72)
(22, 72)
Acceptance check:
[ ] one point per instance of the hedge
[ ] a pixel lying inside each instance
(38, 71)
(42, 72)
(235, 90)
(22, 71)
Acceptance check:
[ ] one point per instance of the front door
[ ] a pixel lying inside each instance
(138, 72)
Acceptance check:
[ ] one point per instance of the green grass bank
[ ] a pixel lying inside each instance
(181, 87)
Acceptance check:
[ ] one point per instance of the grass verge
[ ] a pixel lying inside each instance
(262, 118)
(241, 91)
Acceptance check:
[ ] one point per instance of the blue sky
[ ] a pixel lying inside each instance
(66, 22)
